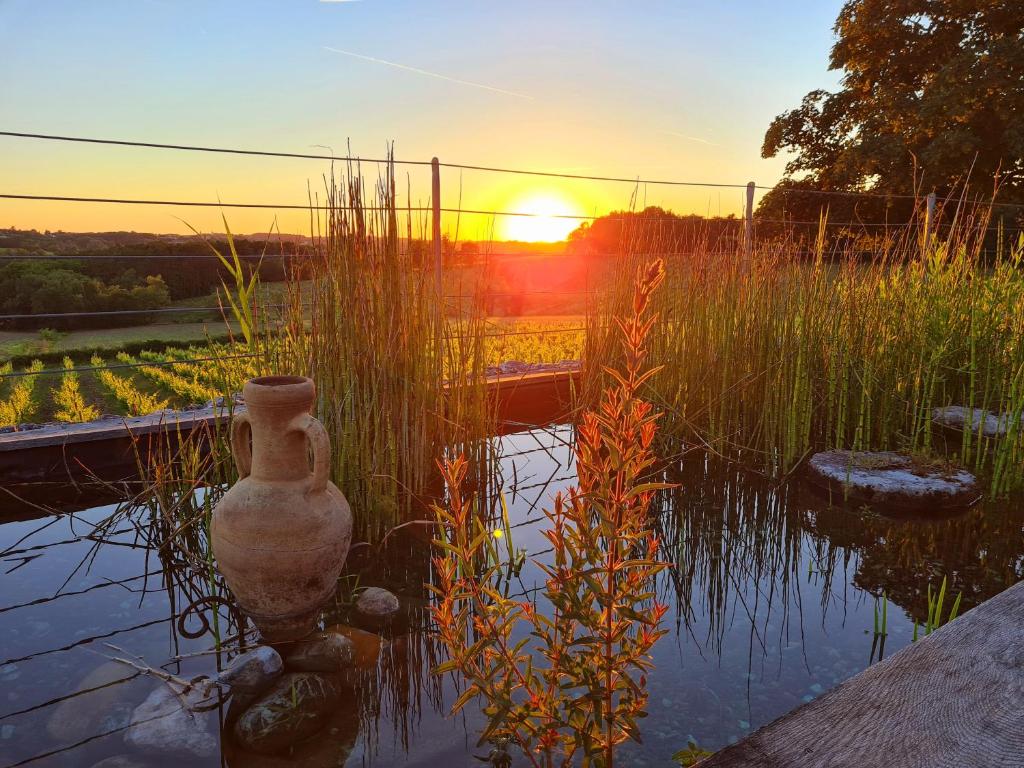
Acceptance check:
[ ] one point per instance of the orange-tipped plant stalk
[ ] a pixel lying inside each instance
(579, 689)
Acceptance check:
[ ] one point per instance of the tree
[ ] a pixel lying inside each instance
(931, 98)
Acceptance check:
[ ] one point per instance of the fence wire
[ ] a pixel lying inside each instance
(458, 211)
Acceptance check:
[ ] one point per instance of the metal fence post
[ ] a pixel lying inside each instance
(929, 219)
(748, 229)
(435, 203)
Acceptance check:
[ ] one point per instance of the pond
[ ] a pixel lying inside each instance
(772, 596)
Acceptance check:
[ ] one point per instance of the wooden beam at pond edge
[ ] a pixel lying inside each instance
(954, 699)
(42, 466)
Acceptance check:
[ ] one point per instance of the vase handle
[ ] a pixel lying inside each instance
(241, 435)
(321, 445)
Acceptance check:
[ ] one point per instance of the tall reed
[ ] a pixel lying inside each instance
(827, 349)
(373, 339)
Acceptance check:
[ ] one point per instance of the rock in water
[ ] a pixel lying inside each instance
(377, 604)
(330, 748)
(367, 645)
(113, 690)
(957, 417)
(324, 652)
(123, 761)
(294, 708)
(893, 479)
(252, 671)
(162, 724)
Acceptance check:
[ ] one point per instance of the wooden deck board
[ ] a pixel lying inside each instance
(954, 699)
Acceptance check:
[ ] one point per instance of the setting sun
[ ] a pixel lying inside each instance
(550, 219)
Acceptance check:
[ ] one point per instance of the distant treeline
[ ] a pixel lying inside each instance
(197, 273)
(857, 228)
(43, 286)
(655, 229)
(121, 277)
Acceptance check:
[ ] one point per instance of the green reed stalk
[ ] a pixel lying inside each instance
(837, 350)
(375, 344)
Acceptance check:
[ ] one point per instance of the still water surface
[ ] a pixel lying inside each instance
(773, 597)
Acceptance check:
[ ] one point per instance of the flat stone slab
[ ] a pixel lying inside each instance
(951, 700)
(893, 479)
(957, 417)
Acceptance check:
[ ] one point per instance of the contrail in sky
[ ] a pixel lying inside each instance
(419, 71)
(692, 138)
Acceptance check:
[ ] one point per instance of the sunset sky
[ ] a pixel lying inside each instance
(663, 90)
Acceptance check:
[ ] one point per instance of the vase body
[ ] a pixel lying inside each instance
(281, 533)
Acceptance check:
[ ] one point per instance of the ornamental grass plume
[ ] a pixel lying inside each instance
(568, 685)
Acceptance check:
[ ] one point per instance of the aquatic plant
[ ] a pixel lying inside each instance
(364, 321)
(935, 619)
(579, 691)
(881, 630)
(241, 295)
(691, 755)
(819, 347)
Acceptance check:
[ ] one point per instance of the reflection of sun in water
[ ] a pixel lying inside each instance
(545, 224)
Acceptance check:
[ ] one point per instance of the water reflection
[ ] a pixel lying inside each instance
(773, 593)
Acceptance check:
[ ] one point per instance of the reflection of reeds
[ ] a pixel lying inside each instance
(737, 542)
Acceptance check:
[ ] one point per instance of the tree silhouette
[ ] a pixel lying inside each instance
(931, 99)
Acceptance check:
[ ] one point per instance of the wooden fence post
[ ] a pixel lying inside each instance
(748, 229)
(435, 203)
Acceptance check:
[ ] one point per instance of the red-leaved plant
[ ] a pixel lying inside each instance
(577, 690)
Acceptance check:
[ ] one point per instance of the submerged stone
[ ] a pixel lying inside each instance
(324, 652)
(252, 671)
(294, 708)
(123, 761)
(168, 722)
(957, 417)
(329, 748)
(367, 645)
(377, 604)
(107, 696)
(893, 479)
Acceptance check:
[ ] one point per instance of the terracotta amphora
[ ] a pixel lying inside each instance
(280, 535)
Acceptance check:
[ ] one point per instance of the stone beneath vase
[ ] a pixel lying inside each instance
(323, 652)
(253, 670)
(293, 709)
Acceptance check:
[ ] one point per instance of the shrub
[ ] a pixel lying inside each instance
(582, 687)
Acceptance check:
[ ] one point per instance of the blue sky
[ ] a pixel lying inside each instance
(681, 90)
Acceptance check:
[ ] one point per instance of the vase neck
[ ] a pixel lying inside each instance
(279, 451)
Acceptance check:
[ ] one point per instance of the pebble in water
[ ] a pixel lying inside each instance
(377, 604)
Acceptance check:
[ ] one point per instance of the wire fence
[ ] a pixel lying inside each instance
(739, 229)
